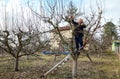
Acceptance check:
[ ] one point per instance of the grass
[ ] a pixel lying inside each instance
(32, 67)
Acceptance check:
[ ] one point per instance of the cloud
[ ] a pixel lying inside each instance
(2, 3)
(13, 5)
(110, 7)
(112, 10)
(13, 8)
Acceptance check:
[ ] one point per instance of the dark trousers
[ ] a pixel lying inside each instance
(78, 42)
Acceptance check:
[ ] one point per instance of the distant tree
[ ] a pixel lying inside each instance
(119, 29)
(71, 11)
(109, 34)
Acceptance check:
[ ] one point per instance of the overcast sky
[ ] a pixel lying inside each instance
(110, 7)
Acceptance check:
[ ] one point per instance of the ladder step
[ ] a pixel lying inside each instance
(58, 65)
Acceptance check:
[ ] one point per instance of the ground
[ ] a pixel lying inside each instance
(32, 67)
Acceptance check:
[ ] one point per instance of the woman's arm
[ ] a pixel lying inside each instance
(72, 20)
(75, 23)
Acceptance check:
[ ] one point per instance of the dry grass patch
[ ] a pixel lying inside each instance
(107, 67)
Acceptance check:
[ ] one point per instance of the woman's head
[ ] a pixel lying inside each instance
(80, 21)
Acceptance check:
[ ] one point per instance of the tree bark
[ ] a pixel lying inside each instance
(89, 57)
(55, 57)
(16, 64)
(74, 69)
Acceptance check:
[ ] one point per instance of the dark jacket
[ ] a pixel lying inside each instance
(79, 29)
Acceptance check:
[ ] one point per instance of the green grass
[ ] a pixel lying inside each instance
(32, 67)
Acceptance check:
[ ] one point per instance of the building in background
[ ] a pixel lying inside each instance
(56, 43)
(116, 46)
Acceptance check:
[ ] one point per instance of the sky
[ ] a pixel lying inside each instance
(111, 10)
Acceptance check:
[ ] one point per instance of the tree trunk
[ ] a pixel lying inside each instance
(55, 58)
(16, 64)
(74, 69)
(89, 57)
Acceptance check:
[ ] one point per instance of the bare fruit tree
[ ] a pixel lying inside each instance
(57, 12)
(24, 37)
